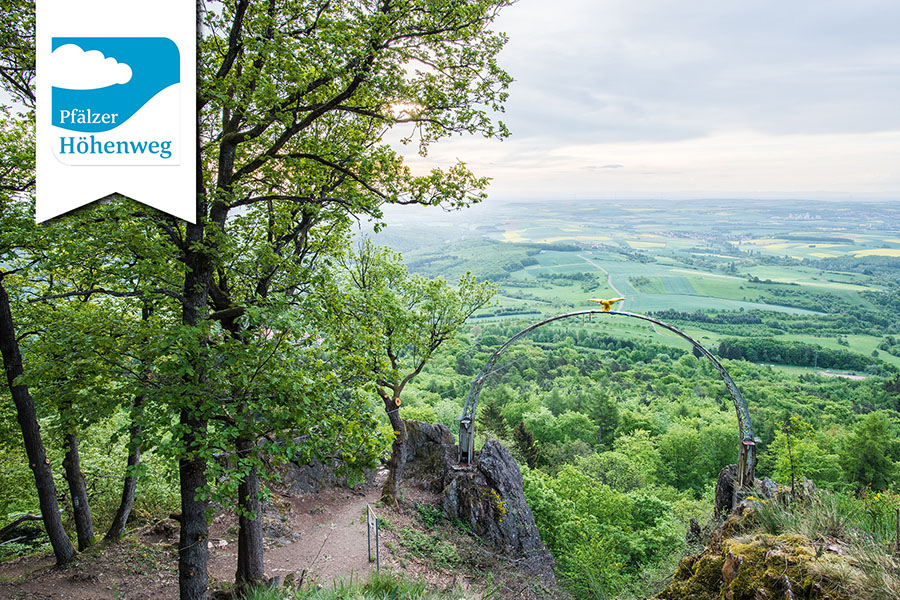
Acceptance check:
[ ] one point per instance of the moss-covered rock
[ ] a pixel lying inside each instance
(760, 566)
(698, 577)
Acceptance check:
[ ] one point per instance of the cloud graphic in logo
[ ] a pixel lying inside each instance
(75, 69)
(152, 64)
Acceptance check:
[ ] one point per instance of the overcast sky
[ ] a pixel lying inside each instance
(660, 99)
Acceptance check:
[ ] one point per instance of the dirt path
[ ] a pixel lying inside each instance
(323, 534)
(328, 539)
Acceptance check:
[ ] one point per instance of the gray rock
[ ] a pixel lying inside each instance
(806, 488)
(311, 478)
(490, 499)
(430, 455)
(694, 534)
(766, 487)
(725, 492)
(276, 519)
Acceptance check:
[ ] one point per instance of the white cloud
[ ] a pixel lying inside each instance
(75, 69)
(694, 98)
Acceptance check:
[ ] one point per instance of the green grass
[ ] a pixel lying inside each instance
(379, 586)
(552, 258)
(678, 285)
(862, 526)
(862, 344)
(440, 553)
(806, 276)
(646, 285)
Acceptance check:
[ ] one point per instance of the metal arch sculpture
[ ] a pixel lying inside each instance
(747, 449)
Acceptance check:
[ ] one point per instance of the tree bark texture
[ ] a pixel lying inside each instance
(81, 508)
(397, 463)
(31, 433)
(193, 552)
(117, 528)
(250, 568)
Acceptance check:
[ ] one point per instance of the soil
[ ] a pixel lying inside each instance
(316, 537)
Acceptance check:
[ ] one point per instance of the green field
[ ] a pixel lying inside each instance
(762, 260)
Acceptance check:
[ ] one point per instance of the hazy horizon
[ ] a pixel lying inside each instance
(622, 100)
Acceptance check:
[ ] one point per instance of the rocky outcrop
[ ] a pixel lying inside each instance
(744, 565)
(491, 500)
(488, 496)
(430, 455)
(728, 496)
(276, 520)
(725, 484)
(742, 561)
(311, 478)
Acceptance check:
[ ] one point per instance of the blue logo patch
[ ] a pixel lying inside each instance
(108, 80)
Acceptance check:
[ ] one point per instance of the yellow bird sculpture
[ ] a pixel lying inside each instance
(607, 304)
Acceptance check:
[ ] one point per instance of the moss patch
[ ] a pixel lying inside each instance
(764, 562)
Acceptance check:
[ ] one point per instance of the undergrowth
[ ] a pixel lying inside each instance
(440, 553)
(379, 586)
(863, 529)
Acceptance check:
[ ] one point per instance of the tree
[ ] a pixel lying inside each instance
(524, 442)
(34, 447)
(810, 459)
(576, 426)
(603, 411)
(491, 416)
(866, 453)
(397, 322)
(18, 234)
(294, 98)
(640, 447)
(794, 429)
(682, 450)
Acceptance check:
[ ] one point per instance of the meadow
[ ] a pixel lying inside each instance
(787, 262)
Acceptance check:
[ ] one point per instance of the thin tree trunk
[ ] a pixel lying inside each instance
(250, 567)
(193, 552)
(31, 433)
(250, 564)
(397, 463)
(117, 529)
(78, 490)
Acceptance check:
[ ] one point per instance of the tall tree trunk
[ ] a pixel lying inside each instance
(193, 552)
(397, 463)
(78, 490)
(117, 529)
(250, 568)
(198, 252)
(31, 432)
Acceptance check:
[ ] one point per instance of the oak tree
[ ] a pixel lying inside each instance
(397, 321)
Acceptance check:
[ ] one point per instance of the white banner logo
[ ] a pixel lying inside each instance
(116, 104)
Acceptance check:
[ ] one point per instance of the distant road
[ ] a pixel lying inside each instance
(612, 285)
(608, 277)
